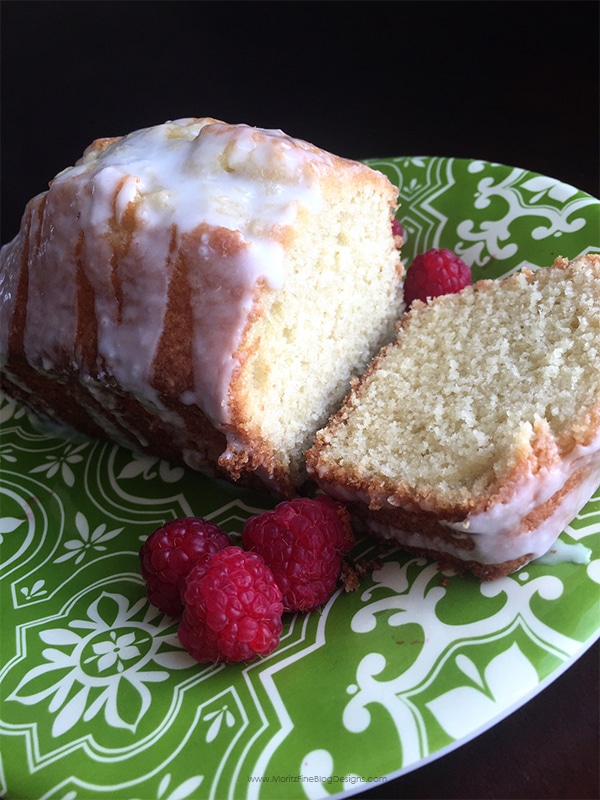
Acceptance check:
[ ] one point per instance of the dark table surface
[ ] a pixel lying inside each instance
(513, 82)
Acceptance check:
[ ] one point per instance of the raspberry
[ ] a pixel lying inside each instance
(168, 555)
(232, 609)
(434, 273)
(303, 541)
(398, 233)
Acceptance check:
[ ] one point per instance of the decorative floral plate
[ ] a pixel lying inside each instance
(99, 701)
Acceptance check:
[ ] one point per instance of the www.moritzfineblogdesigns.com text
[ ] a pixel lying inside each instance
(351, 779)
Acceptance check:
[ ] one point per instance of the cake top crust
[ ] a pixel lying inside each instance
(178, 173)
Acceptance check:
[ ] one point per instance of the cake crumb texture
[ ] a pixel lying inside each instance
(487, 397)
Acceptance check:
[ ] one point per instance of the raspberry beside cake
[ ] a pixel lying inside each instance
(475, 437)
(203, 292)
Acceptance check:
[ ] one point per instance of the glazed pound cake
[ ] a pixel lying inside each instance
(475, 437)
(203, 292)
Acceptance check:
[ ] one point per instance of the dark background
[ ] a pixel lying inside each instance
(514, 82)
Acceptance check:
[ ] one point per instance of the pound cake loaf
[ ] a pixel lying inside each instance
(203, 292)
(474, 438)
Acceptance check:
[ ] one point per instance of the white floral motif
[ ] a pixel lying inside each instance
(90, 540)
(416, 161)
(415, 603)
(542, 186)
(8, 525)
(9, 410)
(114, 650)
(145, 466)
(181, 792)
(219, 716)
(317, 772)
(105, 668)
(493, 237)
(494, 693)
(6, 453)
(37, 590)
(61, 464)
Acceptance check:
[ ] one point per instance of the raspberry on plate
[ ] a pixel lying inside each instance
(170, 552)
(434, 273)
(303, 541)
(232, 609)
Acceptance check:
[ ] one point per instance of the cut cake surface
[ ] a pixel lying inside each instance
(474, 437)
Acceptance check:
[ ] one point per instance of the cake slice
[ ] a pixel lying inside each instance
(474, 438)
(203, 292)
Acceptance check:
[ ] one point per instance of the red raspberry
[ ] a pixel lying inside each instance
(303, 541)
(168, 555)
(434, 273)
(232, 609)
(398, 233)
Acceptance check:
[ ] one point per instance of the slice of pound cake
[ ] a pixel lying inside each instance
(475, 437)
(203, 292)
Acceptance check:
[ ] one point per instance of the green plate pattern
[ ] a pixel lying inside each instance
(99, 701)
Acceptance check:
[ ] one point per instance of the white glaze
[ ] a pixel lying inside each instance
(496, 535)
(174, 176)
(562, 552)
(497, 531)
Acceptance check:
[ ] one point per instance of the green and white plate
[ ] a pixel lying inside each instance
(99, 701)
